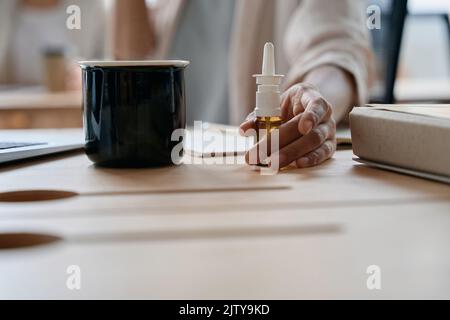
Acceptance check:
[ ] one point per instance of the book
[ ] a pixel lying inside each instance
(411, 139)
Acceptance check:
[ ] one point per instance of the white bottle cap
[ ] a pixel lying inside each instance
(268, 95)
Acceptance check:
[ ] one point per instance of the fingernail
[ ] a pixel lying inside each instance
(303, 162)
(308, 126)
(248, 133)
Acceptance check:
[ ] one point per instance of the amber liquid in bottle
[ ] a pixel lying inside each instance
(264, 128)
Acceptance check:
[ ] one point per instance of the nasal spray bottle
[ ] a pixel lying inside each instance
(268, 100)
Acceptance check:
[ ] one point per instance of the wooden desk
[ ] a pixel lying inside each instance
(196, 232)
(35, 108)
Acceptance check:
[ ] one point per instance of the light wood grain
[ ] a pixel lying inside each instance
(314, 237)
(410, 244)
(339, 183)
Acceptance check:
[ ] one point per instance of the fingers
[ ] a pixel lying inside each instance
(245, 128)
(288, 133)
(305, 99)
(317, 111)
(318, 156)
(287, 112)
(306, 139)
(294, 100)
(306, 144)
(247, 125)
(304, 94)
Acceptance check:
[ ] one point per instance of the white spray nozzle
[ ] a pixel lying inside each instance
(268, 68)
(268, 75)
(268, 95)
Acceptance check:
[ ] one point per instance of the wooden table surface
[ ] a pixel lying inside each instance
(224, 231)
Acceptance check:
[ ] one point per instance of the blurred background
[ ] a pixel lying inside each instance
(40, 81)
(413, 51)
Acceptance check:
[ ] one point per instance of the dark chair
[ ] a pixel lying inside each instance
(387, 44)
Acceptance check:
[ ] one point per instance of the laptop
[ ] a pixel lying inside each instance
(27, 144)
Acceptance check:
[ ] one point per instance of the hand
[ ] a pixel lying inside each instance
(308, 134)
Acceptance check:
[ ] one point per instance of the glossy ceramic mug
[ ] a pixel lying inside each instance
(131, 109)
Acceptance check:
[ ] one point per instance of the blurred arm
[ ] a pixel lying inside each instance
(337, 86)
(133, 32)
(328, 46)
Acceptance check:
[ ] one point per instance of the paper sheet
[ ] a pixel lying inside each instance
(222, 140)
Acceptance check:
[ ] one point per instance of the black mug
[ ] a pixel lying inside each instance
(130, 111)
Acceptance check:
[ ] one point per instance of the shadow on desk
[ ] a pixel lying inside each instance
(396, 179)
(211, 234)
